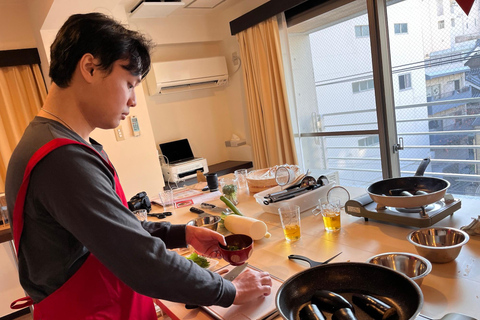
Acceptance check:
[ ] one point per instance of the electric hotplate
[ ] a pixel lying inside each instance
(364, 206)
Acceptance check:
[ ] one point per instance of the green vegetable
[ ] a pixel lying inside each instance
(229, 189)
(231, 205)
(201, 261)
(234, 248)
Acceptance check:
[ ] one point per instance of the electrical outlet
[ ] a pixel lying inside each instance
(119, 133)
(235, 58)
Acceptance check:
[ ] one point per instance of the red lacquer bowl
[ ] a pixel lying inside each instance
(238, 249)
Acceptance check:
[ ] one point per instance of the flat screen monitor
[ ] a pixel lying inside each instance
(177, 151)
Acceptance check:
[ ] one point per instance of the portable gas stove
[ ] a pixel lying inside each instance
(420, 217)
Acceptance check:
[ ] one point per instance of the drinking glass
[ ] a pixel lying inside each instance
(229, 188)
(241, 175)
(330, 211)
(141, 214)
(290, 218)
(212, 181)
(166, 198)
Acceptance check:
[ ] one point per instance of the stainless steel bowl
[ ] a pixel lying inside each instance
(412, 265)
(438, 244)
(209, 222)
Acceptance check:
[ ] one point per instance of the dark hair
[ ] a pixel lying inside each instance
(103, 37)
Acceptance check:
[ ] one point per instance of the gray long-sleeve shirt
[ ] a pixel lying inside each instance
(72, 209)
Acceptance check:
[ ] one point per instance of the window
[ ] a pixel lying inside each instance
(404, 81)
(431, 79)
(362, 86)
(441, 24)
(453, 23)
(361, 31)
(456, 84)
(439, 7)
(401, 28)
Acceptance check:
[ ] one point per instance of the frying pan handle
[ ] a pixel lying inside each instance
(295, 256)
(422, 167)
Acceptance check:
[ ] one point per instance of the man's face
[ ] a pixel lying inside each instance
(112, 96)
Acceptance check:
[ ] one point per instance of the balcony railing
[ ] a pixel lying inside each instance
(470, 179)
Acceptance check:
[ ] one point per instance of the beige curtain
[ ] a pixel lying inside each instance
(267, 103)
(22, 93)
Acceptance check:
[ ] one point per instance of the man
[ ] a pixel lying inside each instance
(82, 254)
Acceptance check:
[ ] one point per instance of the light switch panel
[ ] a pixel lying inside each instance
(119, 133)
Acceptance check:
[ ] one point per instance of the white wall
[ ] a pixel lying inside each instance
(15, 26)
(206, 117)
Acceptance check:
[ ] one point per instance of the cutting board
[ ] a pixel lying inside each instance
(257, 309)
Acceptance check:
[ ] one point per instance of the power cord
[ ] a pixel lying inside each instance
(167, 163)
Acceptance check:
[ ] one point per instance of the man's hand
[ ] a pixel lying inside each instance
(251, 285)
(205, 241)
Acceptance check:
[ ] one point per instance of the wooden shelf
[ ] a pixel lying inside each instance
(229, 166)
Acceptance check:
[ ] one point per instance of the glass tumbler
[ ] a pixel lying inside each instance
(229, 188)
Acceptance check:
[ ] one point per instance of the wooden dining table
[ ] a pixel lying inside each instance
(450, 287)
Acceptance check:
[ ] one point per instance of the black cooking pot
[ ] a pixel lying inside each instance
(346, 278)
(409, 192)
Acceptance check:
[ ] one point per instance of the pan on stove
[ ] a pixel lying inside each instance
(346, 278)
(409, 192)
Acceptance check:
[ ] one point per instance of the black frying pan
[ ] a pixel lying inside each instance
(346, 278)
(409, 192)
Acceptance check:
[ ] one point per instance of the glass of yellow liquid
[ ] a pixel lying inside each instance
(290, 218)
(330, 211)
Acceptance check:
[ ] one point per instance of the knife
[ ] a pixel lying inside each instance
(230, 276)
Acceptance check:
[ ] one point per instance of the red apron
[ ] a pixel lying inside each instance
(93, 292)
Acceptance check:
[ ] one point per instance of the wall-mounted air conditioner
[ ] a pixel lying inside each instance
(184, 75)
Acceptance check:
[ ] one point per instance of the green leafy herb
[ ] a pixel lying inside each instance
(201, 261)
(234, 248)
(230, 189)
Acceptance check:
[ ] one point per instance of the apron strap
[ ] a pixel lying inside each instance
(37, 156)
(27, 302)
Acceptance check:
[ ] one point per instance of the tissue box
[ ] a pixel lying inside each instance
(305, 201)
(235, 143)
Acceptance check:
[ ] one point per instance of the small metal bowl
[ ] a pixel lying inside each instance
(412, 265)
(209, 222)
(438, 244)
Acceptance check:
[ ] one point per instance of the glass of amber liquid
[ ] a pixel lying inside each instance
(290, 218)
(331, 214)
